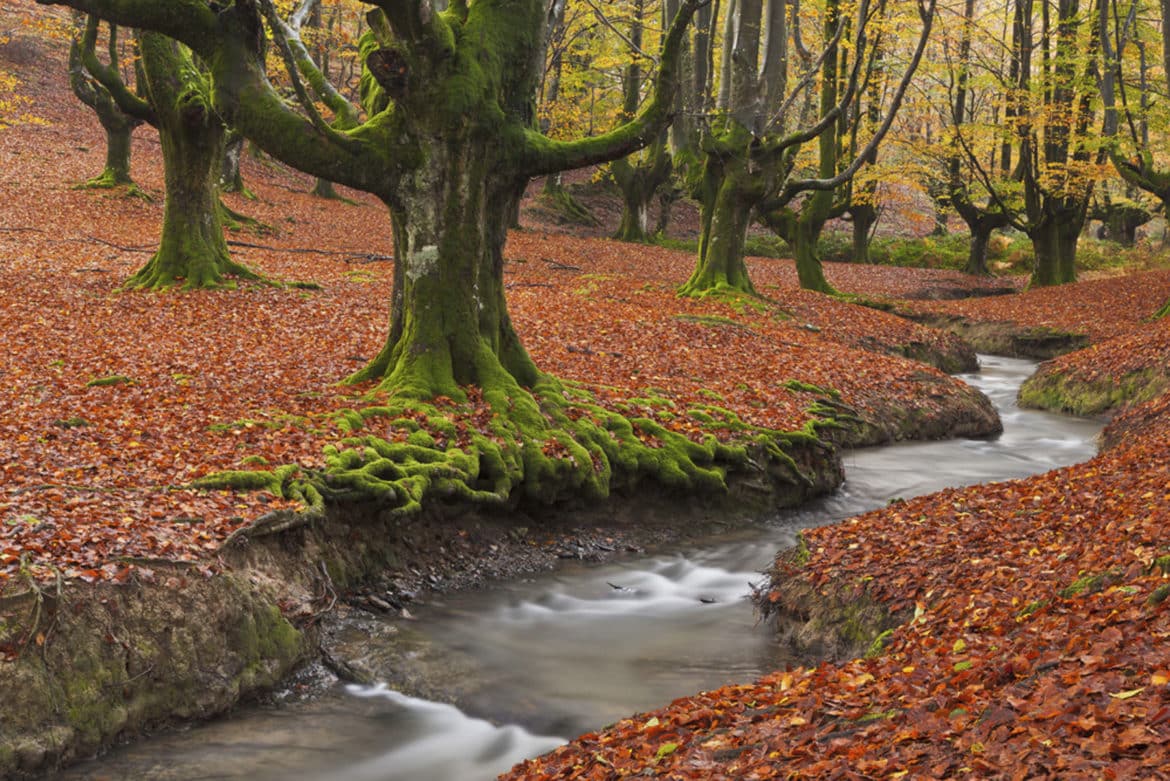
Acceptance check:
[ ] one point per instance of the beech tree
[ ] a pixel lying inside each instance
(1125, 45)
(764, 116)
(641, 175)
(116, 123)
(973, 132)
(1129, 93)
(176, 100)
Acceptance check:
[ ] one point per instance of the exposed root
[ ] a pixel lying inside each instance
(511, 447)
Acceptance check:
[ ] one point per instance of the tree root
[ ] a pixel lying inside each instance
(508, 448)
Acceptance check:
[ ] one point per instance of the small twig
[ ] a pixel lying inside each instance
(557, 266)
(367, 258)
(142, 248)
(510, 285)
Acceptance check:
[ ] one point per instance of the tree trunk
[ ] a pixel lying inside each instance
(639, 181)
(729, 193)
(809, 224)
(118, 129)
(1054, 242)
(230, 178)
(1122, 222)
(192, 251)
(977, 253)
(865, 216)
(450, 221)
(117, 124)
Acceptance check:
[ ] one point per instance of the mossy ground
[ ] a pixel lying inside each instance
(1075, 394)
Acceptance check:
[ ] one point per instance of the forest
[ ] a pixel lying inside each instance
(319, 314)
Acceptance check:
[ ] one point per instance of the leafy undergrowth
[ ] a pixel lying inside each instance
(116, 403)
(1037, 647)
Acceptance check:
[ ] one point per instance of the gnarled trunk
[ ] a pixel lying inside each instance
(450, 220)
(192, 251)
(806, 236)
(118, 128)
(865, 217)
(639, 181)
(729, 194)
(1054, 241)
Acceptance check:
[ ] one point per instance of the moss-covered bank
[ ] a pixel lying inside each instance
(1056, 388)
(97, 663)
(833, 621)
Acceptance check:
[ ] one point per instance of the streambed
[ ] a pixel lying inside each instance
(563, 653)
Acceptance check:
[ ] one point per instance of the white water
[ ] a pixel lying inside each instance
(577, 649)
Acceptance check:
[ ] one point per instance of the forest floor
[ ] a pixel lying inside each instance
(1037, 632)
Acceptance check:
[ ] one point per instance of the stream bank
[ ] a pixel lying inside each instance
(95, 664)
(98, 664)
(563, 652)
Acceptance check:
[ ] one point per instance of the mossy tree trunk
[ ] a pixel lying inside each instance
(1122, 224)
(116, 123)
(640, 180)
(981, 232)
(728, 194)
(814, 213)
(1054, 242)
(192, 251)
(639, 176)
(174, 95)
(864, 218)
(449, 324)
(231, 180)
(1056, 148)
(982, 222)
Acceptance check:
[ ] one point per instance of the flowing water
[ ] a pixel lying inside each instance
(570, 651)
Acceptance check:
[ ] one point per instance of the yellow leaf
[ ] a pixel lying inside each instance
(1128, 694)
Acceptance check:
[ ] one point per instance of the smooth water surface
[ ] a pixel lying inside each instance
(574, 650)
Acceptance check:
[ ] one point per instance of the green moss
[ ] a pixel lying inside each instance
(1162, 564)
(808, 387)
(1159, 595)
(1032, 607)
(1089, 584)
(1060, 392)
(799, 555)
(247, 480)
(883, 715)
(879, 644)
(113, 379)
(349, 420)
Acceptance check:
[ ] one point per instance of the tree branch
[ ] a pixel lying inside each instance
(108, 76)
(543, 155)
(297, 61)
(803, 185)
(191, 21)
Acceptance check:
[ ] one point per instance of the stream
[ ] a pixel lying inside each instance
(570, 651)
